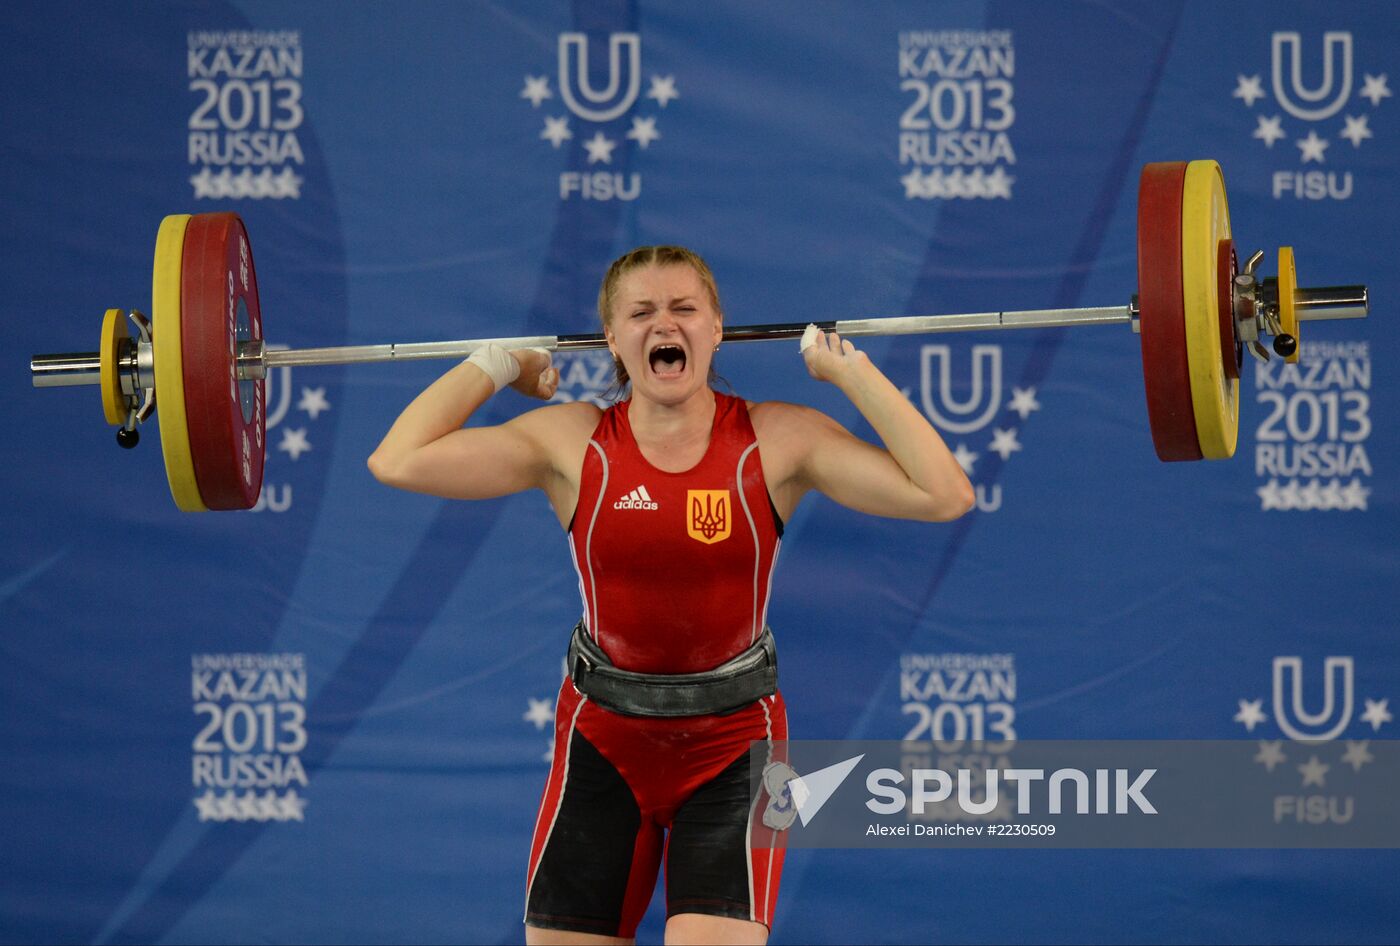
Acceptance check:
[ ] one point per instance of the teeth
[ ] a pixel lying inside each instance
(671, 355)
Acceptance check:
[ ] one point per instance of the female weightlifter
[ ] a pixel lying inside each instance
(673, 501)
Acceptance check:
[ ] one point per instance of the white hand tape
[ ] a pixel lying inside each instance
(809, 337)
(498, 364)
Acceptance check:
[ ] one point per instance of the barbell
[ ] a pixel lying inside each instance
(201, 354)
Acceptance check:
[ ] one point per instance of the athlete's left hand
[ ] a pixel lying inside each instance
(829, 357)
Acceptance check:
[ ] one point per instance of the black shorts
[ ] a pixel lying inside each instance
(626, 793)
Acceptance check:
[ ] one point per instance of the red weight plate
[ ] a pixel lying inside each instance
(219, 308)
(1162, 314)
(1227, 267)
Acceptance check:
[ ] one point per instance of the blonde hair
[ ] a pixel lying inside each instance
(639, 258)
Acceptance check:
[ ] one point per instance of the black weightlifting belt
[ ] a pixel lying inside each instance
(729, 687)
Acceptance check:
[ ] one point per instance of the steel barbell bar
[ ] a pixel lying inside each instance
(255, 359)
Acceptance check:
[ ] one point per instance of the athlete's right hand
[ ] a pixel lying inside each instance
(538, 377)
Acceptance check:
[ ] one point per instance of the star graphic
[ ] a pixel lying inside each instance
(1356, 130)
(245, 184)
(663, 90)
(1270, 753)
(1023, 402)
(1269, 497)
(933, 184)
(541, 713)
(248, 807)
(1004, 442)
(1355, 495)
(1310, 496)
(287, 184)
(1377, 713)
(600, 148)
(313, 401)
(1314, 772)
(1374, 88)
(998, 184)
(548, 756)
(556, 130)
(1332, 495)
(1288, 495)
(913, 184)
(536, 90)
(965, 458)
(1270, 130)
(269, 809)
(208, 806)
(643, 131)
(204, 185)
(952, 184)
(1249, 89)
(1312, 147)
(1251, 714)
(294, 442)
(1357, 755)
(293, 806)
(228, 807)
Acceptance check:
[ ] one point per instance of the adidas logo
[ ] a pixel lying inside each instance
(639, 498)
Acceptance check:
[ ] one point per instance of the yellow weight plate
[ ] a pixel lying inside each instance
(113, 401)
(1287, 299)
(1205, 221)
(169, 367)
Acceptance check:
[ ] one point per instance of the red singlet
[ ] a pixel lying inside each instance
(675, 571)
(674, 568)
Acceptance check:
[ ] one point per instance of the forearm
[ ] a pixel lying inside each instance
(907, 435)
(443, 407)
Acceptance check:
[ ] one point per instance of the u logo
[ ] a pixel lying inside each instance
(579, 95)
(946, 411)
(708, 515)
(1300, 101)
(1332, 668)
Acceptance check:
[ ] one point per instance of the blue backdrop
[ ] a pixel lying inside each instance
(326, 720)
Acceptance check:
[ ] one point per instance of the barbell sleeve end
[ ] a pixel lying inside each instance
(65, 369)
(1333, 302)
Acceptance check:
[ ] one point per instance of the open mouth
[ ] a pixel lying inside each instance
(667, 361)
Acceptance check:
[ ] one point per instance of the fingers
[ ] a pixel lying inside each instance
(825, 341)
(549, 383)
(538, 377)
(825, 353)
(549, 375)
(813, 337)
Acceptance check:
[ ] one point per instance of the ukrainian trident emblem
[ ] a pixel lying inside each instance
(709, 515)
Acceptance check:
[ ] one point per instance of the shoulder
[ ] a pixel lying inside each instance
(789, 434)
(560, 425)
(774, 419)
